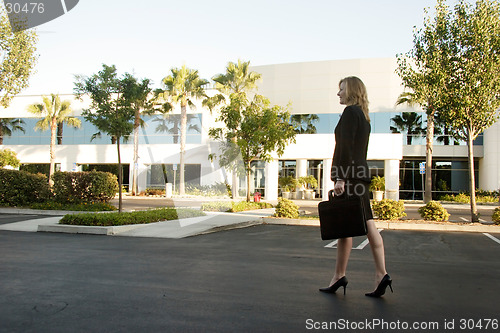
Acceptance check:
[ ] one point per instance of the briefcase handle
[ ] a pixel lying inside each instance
(343, 196)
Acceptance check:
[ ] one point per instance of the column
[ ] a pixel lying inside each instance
(142, 177)
(271, 181)
(391, 174)
(327, 182)
(301, 172)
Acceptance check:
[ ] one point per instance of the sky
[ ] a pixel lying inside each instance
(150, 37)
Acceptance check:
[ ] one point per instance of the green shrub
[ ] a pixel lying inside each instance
(388, 209)
(87, 186)
(21, 188)
(88, 207)
(245, 205)
(153, 191)
(433, 211)
(139, 217)
(496, 216)
(230, 206)
(287, 209)
(481, 196)
(217, 206)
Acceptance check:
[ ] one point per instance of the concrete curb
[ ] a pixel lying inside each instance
(91, 230)
(388, 225)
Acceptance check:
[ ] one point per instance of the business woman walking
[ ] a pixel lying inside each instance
(351, 175)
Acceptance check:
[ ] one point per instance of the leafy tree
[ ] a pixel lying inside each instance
(411, 122)
(424, 71)
(137, 95)
(9, 157)
(9, 125)
(181, 87)
(238, 81)
(473, 86)
(17, 59)
(304, 123)
(111, 110)
(254, 130)
(54, 112)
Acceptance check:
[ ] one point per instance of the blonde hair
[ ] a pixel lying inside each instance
(356, 94)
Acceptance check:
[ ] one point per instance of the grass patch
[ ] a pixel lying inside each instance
(139, 217)
(88, 207)
(230, 206)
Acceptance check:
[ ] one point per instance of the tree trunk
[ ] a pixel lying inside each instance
(136, 152)
(120, 176)
(249, 172)
(182, 189)
(53, 133)
(235, 178)
(472, 181)
(428, 157)
(59, 133)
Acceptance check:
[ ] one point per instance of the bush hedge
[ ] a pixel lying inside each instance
(434, 211)
(388, 209)
(84, 187)
(287, 209)
(496, 216)
(231, 206)
(89, 207)
(139, 217)
(21, 188)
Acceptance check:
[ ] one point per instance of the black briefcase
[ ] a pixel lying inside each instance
(342, 216)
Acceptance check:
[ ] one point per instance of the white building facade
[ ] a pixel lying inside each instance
(311, 88)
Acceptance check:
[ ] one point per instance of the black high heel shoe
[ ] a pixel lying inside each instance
(342, 282)
(382, 286)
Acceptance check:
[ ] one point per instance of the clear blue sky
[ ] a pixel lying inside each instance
(150, 37)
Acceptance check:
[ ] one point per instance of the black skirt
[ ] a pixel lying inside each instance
(361, 189)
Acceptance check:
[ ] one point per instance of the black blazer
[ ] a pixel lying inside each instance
(351, 145)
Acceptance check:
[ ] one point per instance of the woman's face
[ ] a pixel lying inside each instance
(342, 93)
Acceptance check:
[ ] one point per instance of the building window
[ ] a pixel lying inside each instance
(315, 168)
(258, 180)
(287, 168)
(448, 177)
(160, 174)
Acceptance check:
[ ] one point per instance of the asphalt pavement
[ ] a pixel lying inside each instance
(262, 278)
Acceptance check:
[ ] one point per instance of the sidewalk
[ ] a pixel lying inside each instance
(214, 222)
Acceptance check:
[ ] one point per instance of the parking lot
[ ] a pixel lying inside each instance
(257, 279)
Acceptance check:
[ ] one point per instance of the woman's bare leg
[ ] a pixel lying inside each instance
(344, 246)
(377, 247)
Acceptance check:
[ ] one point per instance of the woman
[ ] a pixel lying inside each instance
(351, 175)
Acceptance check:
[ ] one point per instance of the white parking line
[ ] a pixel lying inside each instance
(362, 245)
(491, 237)
(333, 245)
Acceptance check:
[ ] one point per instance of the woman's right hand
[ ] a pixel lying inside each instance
(338, 189)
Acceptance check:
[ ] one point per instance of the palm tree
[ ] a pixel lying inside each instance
(411, 122)
(55, 112)
(9, 125)
(175, 121)
(181, 87)
(411, 99)
(238, 80)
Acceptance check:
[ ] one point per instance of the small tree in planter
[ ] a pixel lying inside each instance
(310, 183)
(287, 185)
(377, 186)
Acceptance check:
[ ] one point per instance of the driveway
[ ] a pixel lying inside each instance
(263, 278)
